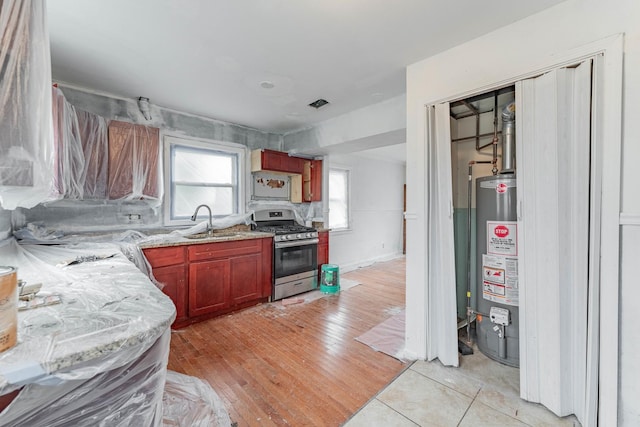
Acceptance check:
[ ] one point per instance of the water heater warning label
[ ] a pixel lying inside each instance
(502, 238)
(500, 279)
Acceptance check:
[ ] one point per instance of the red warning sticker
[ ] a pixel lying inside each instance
(495, 275)
(501, 231)
(502, 238)
(501, 188)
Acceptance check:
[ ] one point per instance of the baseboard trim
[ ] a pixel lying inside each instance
(345, 268)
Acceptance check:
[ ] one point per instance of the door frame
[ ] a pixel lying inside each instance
(608, 127)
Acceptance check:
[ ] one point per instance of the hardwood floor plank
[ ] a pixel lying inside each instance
(300, 364)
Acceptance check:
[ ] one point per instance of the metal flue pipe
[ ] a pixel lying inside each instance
(509, 138)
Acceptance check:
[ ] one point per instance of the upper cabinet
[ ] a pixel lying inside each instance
(82, 151)
(133, 161)
(312, 181)
(99, 159)
(275, 161)
(305, 174)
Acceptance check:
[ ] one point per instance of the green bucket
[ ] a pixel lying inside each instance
(329, 279)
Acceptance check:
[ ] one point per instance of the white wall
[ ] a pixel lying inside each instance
(376, 212)
(499, 57)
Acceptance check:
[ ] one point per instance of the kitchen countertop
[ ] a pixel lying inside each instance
(110, 313)
(167, 240)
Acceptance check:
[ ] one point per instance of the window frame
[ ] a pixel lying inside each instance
(347, 172)
(170, 142)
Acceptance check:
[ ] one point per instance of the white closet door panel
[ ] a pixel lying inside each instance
(442, 339)
(553, 159)
(595, 224)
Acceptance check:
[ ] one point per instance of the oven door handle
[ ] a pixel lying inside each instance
(296, 243)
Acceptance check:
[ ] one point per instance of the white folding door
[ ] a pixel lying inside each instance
(554, 208)
(442, 339)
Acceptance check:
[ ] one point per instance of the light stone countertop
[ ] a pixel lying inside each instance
(224, 236)
(110, 313)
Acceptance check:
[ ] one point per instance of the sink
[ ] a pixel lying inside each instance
(212, 235)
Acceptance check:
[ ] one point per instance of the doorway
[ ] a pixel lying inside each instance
(427, 326)
(553, 232)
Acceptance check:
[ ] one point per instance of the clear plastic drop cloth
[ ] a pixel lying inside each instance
(191, 402)
(82, 151)
(134, 162)
(129, 394)
(27, 157)
(109, 316)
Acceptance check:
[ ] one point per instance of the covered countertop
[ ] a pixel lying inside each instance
(110, 314)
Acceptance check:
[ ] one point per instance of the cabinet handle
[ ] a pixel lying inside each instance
(296, 284)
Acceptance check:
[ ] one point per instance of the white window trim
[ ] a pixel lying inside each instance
(349, 227)
(169, 139)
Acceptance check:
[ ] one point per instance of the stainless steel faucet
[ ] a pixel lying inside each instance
(195, 215)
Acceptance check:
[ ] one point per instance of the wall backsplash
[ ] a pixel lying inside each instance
(87, 215)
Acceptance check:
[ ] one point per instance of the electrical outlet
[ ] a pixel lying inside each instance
(134, 218)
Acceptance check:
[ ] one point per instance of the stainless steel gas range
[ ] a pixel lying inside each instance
(295, 254)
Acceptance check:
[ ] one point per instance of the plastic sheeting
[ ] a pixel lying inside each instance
(26, 139)
(82, 151)
(387, 337)
(110, 314)
(127, 395)
(191, 402)
(133, 161)
(102, 160)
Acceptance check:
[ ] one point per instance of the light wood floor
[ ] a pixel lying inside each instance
(297, 365)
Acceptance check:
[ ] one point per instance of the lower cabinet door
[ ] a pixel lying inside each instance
(246, 283)
(209, 284)
(173, 279)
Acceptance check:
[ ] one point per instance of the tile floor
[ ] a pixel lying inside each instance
(481, 392)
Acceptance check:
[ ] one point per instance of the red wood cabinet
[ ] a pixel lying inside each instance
(227, 275)
(209, 285)
(312, 181)
(170, 270)
(209, 279)
(323, 250)
(245, 272)
(306, 175)
(275, 161)
(174, 279)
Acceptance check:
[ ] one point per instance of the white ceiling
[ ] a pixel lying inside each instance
(208, 57)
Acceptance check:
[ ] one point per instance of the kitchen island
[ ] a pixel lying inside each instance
(100, 355)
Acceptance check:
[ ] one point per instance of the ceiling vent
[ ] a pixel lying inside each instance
(319, 103)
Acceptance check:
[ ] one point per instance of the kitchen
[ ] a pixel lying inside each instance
(369, 126)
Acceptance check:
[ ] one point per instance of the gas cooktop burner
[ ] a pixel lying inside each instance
(289, 232)
(282, 223)
(284, 229)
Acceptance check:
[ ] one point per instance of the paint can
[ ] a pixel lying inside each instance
(8, 307)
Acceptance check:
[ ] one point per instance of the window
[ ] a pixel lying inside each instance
(339, 210)
(198, 172)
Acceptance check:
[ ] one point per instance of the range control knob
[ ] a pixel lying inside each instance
(299, 236)
(283, 237)
(308, 235)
